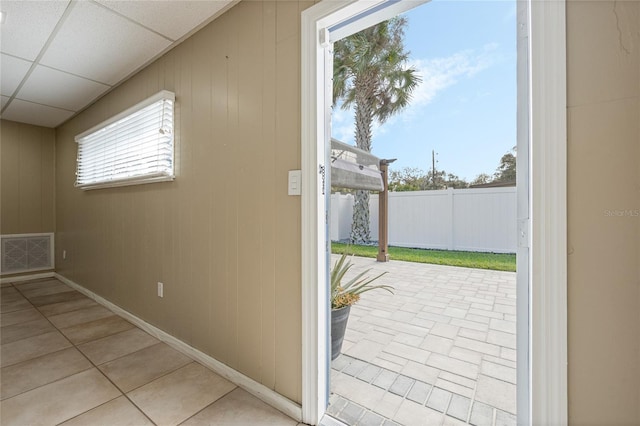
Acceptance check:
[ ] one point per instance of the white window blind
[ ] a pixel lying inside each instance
(134, 147)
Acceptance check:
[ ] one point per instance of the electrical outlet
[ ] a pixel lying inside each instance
(160, 289)
(64, 254)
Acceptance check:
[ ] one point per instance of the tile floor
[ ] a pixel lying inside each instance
(65, 360)
(441, 350)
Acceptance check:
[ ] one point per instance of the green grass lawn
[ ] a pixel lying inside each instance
(467, 259)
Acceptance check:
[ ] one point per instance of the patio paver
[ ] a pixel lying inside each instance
(441, 348)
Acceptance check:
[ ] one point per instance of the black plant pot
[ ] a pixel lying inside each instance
(339, 318)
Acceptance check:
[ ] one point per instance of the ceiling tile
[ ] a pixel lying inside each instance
(59, 89)
(36, 114)
(13, 71)
(5, 99)
(98, 44)
(172, 18)
(28, 25)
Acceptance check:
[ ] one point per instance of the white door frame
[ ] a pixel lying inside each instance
(543, 234)
(548, 208)
(523, 209)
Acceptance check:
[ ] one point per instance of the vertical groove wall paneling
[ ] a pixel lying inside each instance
(28, 157)
(224, 237)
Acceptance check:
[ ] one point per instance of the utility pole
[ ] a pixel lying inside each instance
(433, 168)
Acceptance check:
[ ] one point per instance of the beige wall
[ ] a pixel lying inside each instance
(603, 45)
(224, 237)
(27, 175)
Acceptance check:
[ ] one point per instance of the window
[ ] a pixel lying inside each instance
(134, 147)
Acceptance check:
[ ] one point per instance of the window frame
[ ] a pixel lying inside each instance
(108, 180)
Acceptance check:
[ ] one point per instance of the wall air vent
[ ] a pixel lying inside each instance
(27, 253)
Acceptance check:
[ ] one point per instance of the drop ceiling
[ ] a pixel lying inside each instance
(59, 56)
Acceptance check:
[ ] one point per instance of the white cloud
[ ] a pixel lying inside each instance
(437, 75)
(342, 125)
(440, 73)
(511, 14)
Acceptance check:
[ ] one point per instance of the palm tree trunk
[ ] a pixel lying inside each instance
(360, 232)
(363, 120)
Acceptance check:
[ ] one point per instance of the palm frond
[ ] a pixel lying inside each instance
(354, 287)
(377, 55)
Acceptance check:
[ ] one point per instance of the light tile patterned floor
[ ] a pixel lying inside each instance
(67, 360)
(441, 350)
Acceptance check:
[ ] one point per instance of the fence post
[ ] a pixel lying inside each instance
(452, 230)
(383, 214)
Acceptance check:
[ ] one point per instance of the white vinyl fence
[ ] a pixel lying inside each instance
(478, 219)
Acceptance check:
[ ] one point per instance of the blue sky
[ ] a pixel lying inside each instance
(465, 107)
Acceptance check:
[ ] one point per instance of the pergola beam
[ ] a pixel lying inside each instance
(383, 213)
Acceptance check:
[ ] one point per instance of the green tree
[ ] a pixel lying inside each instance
(370, 73)
(414, 179)
(506, 171)
(407, 179)
(454, 181)
(481, 179)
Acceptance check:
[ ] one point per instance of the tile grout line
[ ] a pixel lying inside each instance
(473, 399)
(208, 405)
(47, 354)
(190, 361)
(123, 393)
(74, 346)
(93, 365)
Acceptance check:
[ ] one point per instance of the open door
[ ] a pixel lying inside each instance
(322, 24)
(541, 146)
(523, 215)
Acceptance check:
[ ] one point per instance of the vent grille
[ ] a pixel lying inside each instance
(27, 252)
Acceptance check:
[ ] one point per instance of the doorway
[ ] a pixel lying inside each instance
(542, 208)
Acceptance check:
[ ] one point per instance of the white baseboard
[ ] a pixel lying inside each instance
(29, 277)
(260, 391)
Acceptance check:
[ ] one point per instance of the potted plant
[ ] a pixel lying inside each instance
(343, 295)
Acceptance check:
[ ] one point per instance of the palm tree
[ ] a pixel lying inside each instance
(370, 72)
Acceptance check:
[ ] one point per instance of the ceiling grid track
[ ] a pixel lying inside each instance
(36, 61)
(61, 56)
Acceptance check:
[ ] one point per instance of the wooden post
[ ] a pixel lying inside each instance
(383, 213)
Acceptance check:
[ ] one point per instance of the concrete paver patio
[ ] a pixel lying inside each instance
(440, 350)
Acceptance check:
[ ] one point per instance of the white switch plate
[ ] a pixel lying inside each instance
(160, 289)
(295, 182)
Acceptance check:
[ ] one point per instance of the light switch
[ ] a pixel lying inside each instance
(295, 182)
